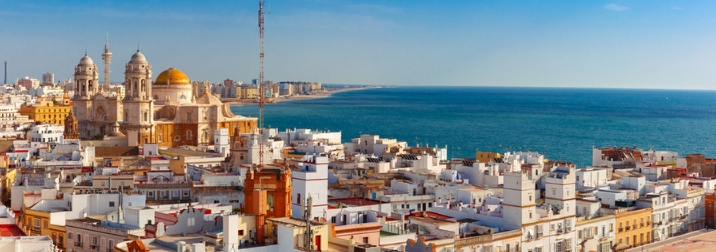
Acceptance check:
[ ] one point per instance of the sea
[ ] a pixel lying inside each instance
(561, 123)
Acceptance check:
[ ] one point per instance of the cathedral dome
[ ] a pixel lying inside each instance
(172, 76)
(86, 60)
(138, 57)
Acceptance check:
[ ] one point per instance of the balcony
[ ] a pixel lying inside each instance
(78, 244)
(628, 228)
(621, 230)
(94, 246)
(634, 227)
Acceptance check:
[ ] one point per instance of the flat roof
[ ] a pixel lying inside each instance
(356, 201)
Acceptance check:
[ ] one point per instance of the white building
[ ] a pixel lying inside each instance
(297, 136)
(26, 243)
(595, 234)
(373, 144)
(221, 142)
(310, 180)
(591, 177)
(47, 133)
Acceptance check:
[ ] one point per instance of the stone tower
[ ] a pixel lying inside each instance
(86, 81)
(106, 56)
(71, 126)
(138, 101)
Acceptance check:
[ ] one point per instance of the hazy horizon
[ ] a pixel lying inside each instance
(585, 44)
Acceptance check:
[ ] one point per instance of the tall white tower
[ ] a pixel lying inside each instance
(106, 56)
(310, 179)
(138, 102)
(518, 203)
(559, 189)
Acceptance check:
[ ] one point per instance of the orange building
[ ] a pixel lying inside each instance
(276, 181)
(709, 198)
(267, 193)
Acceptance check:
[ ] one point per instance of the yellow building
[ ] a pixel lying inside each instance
(47, 111)
(633, 228)
(484, 157)
(249, 93)
(38, 223)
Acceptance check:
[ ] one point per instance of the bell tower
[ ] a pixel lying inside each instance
(71, 126)
(86, 81)
(138, 102)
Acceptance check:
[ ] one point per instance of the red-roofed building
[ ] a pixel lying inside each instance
(11, 230)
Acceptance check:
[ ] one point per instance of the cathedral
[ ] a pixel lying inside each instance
(165, 111)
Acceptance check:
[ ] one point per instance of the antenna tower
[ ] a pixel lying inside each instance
(261, 85)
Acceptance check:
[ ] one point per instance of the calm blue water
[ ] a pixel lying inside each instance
(561, 123)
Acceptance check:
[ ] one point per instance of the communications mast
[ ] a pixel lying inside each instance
(261, 85)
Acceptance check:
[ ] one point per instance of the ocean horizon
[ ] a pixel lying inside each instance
(561, 123)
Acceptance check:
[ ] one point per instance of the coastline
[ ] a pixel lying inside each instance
(318, 95)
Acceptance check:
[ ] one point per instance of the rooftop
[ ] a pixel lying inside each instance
(356, 201)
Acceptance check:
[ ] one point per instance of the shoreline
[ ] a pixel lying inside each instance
(320, 95)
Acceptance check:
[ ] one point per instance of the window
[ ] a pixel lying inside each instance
(111, 204)
(190, 222)
(241, 232)
(146, 116)
(188, 135)
(45, 224)
(269, 202)
(333, 219)
(160, 137)
(365, 239)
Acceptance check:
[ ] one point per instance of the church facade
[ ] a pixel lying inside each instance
(165, 111)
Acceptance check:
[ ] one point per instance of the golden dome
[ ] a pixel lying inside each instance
(172, 76)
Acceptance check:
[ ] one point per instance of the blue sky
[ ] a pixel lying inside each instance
(611, 44)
